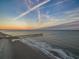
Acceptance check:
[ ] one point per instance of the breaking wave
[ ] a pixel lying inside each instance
(47, 49)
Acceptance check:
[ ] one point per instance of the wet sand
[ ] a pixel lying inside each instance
(19, 50)
(22, 51)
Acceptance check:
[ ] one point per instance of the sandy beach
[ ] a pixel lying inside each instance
(22, 51)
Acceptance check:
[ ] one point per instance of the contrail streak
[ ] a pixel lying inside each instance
(28, 3)
(25, 13)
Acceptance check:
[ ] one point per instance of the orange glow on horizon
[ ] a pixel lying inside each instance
(15, 27)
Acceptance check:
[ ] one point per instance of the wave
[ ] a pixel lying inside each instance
(47, 49)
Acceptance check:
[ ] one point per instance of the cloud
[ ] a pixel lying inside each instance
(34, 8)
(56, 4)
(72, 14)
(60, 2)
(69, 16)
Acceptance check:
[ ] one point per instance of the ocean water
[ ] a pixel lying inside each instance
(61, 44)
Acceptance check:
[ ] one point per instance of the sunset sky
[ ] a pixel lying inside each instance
(34, 14)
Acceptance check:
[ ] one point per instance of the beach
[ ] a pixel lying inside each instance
(22, 51)
(18, 50)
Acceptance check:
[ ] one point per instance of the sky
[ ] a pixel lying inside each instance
(35, 14)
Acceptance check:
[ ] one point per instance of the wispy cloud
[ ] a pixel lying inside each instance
(72, 14)
(69, 16)
(60, 2)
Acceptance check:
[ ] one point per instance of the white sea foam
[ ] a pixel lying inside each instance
(56, 53)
